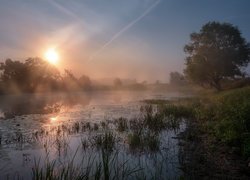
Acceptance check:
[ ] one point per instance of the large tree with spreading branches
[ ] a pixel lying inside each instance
(217, 52)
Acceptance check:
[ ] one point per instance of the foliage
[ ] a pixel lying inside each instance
(70, 82)
(177, 78)
(37, 75)
(226, 116)
(85, 82)
(29, 76)
(217, 52)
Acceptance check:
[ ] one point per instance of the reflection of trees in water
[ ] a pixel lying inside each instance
(12, 106)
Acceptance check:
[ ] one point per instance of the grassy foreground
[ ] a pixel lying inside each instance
(226, 117)
(217, 139)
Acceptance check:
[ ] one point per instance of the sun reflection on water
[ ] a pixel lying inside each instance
(53, 119)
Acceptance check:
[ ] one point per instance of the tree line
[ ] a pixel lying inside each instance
(37, 75)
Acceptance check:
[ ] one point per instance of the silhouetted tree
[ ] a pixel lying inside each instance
(71, 83)
(42, 75)
(218, 51)
(37, 75)
(13, 74)
(85, 82)
(27, 76)
(176, 78)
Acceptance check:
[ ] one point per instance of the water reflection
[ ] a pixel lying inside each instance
(53, 119)
(58, 124)
(14, 105)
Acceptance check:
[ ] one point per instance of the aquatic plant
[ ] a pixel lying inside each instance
(148, 141)
(105, 141)
(84, 143)
(134, 141)
(76, 127)
(96, 127)
(103, 124)
(107, 166)
(121, 124)
(152, 141)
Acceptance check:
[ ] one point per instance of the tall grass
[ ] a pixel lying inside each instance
(225, 115)
(107, 166)
(231, 118)
(105, 141)
(121, 124)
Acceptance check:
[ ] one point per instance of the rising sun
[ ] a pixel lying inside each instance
(51, 56)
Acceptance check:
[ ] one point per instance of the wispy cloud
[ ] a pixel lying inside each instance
(126, 28)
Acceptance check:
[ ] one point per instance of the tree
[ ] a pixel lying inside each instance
(176, 78)
(85, 82)
(71, 83)
(27, 76)
(217, 52)
(42, 76)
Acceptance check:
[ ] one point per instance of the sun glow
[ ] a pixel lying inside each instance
(51, 56)
(53, 119)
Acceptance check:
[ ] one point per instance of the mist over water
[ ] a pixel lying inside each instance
(29, 127)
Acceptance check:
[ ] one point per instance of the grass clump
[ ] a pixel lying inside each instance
(107, 166)
(152, 142)
(177, 111)
(146, 141)
(96, 127)
(121, 124)
(135, 141)
(105, 141)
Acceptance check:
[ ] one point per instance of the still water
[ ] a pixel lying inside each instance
(30, 126)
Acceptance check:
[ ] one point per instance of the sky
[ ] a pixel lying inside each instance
(137, 39)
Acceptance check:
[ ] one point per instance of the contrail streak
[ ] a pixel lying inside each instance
(66, 11)
(127, 27)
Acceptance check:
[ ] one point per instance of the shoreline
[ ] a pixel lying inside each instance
(203, 157)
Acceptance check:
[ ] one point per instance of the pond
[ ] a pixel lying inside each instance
(59, 128)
